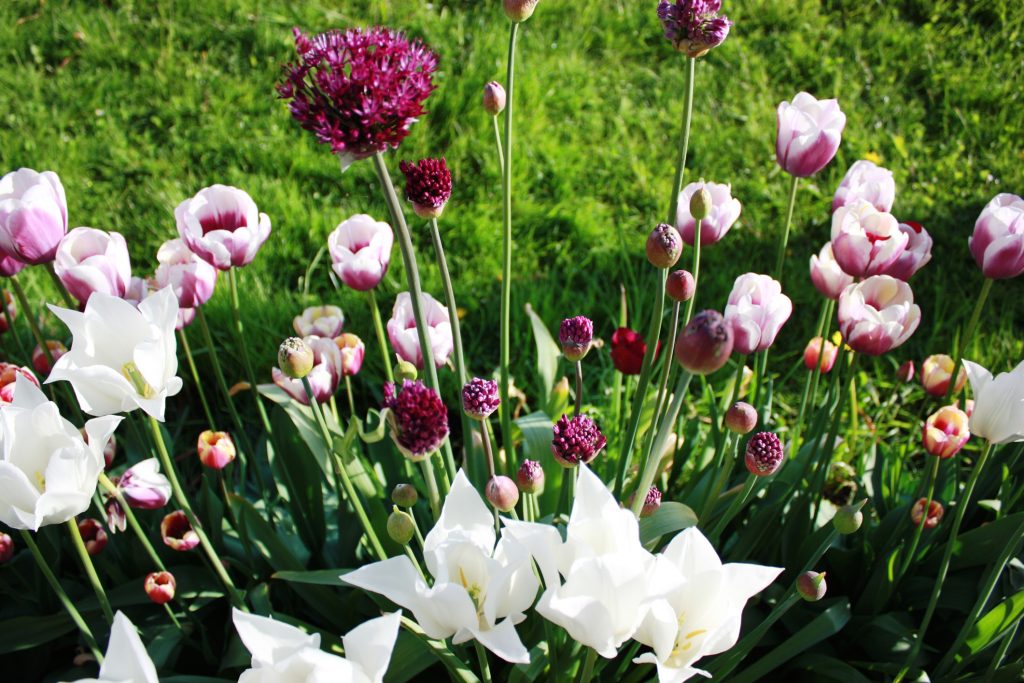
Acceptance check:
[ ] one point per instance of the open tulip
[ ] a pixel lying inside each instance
(723, 213)
(126, 658)
(866, 181)
(404, 337)
(216, 450)
(757, 310)
(177, 532)
(33, 215)
(866, 241)
(222, 226)
(628, 350)
(323, 378)
(826, 274)
(932, 518)
(9, 373)
(808, 132)
(192, 279)
(361, 251)
(998, 240)
(946, 431)
(319, 321)
(90, 260)
(936, 373)
(480, 590)
(916, 255)
(998, 414)
(878, 314)
(144, 487)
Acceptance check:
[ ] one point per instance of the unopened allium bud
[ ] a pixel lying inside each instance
(160, 587)
(295, 358)
(680, 285)
(519, 10)
(741, 418)
(811, 586)
(701, 203)
(502, 493)
(494, 98)
(480, 398)
(664, 246)
(934, 516)
(404, 495)
(530, 477)
(764, 454)
(39, 359)
(93, 535)
(405, 371)
(401, 526)
(705, 344)
(177, 532)
(575, 335)
(6, 548)
(906, 371)
(651, 503)
(216, 449)
(849, 518)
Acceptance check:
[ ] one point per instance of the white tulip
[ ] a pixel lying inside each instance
(998, 404)
(126, 660)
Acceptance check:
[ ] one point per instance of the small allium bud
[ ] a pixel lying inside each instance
(741, 418)
(405, 495)
(519, 10)
(216, 449)
(428, 186)
(6, 548)
(664, 246)
(177, 532)
(401, 527)
(530, 477)
(93, 535)
(502, 493)
(575, 335)
(494, 98)
(39, 361)
(480, 398)
(295, 358)
(680, 285)
(700, 203)
(405, 371)
(651, 503)
(848, 518)
(906, 371)
(705, 344)
(576, 439)
(764, 454)
(160, 587)
(934, 516)
(811, 586)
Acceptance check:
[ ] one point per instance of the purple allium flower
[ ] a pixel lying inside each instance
(651, 503)
(576, 439)
(480, 398)
(418, 418)
(575, 335)
(694, 26)
(358, 90)
(530, 477)
(428, 185)
(764, 454)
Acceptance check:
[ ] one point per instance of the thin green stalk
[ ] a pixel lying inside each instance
(737, 504)
(433, 496)
(579, 388)
(382, 341)
(695, 273)
(724, 470)
(485, 667)
(661, 398)
(68, 299)
(33, 324)
(195, 378)
(218, 373)
(497, 139)
(811, 382)
(780, 261)
(933, 473)
(133, 522)
(351, 401)
(90, 570)
(588, 666)
(239, 331)
(677, 182)
(506, 252)
(650, 467)
(972, 325)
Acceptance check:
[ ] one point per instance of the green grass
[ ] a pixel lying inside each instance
(138, 105)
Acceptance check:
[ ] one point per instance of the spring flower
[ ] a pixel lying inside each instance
(932, 519)
(866, 241)
(406, 340)
(741, 418)
(628, 349)
(694, 26)
(652, 501)
(319, 321)
(530, 477)
(323, 377)
(90, 260)
(998, 414)
(577, 440)
(428, 186)
(808, 132)
(664, 246)
(502, 493)
(826, 274)
(33, 215)
(700, 612)
(48, 472)
(121, 357)
(480, 590)
(93, 535)
(906, 373)
(936, 373)
(138, 290)
(126, 658)
(222, 226)
(10, 266)
(705, 344)
(916, 255)
(6, 548)
(680, 285)
(143, 486)
(494, 98)
(757, 310)
(998, 240)
(417, 418)
(192, 279)
(480, 398)
(358, 91)
(160, 587)
(216, 450)
(878, 314)
(820, 353)
(575, 335)
(764, 454)
(9, 373)
(361, 251)
(351, 351)
(866, 181)
(39, 360)
(946, 431)
(723, 213)
(177, 532)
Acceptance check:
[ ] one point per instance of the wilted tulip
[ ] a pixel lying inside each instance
(361, 251)
(192, 279)
(93, 535)
(998, 240)
(39, 360)
(808, 132)
(934, 516)
(160, 587)
(866, 181)
(820, 353)
(866, 241)
(916, 255)
(878, 314)
(351, 352)
(90, 260)
(216, 450)
(33, 215)
(222, 226)
(826, 274)
(177, 532)
(757, 310)
(319, 321)
(705, 344)
(946, 432)
(936, 373)
(722, 213)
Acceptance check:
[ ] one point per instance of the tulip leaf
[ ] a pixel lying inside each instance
(22, 633)
(983, 545)
(302, 417)
(536, 428)
(317, 577)
(670, 518)
(547, 353)
(995, 623)
(825, 668)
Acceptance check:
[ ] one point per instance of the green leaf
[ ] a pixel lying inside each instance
(536, 428)
(22, 633)
(669, 518)
(458, 669)
(302, 417)
(316, 577)
(298, 469)
(827, 668)
(547, 353)
(409, 658)
(995, 623)
(983, 545)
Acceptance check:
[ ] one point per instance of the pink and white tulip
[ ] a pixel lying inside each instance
(826, 274)
(222, 226)
(319, 321)
(351, 352)
(361, 251)
(143, 486)
(866, 241)
(916, 255)
(998, 240)
(757, 310)
(866, 181)
(878, 314)
(404, 337)
(192, 279)
(9, 265)
(33, 215)
(9, 373)
(721, 217)
(323, 378)
(808, 132)
(90, 260)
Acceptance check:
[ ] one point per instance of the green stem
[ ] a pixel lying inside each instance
(972, 325)
(90, 570)
(579, 388)
(660, 401)
(218, 373)
(68, 299)
(650, 466)
(734, 507)
(780, 261)
(588, 666)
(10, 325)
(497, 139)
(506, 252)
(33, 324)
(195, 378)
(677, 183)
(351, 401)
(485, 667)
(382, 341)
(236, 313)
(824, 321)
(133, 522)
(695, 273)
(919, 529)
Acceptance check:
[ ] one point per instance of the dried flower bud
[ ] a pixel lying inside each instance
(680, 285)
(401, 526)
(295, 358)
(934, 516)
(177, 532)
(811, 586)
(6, 548)
(405, 371)
(93, 535)
(849, 518)
(160, 587)
(216, 449)
(741, 418)
(664, 246)
(575, 335)
(701, 203)
(480, 398)
(494, 98)
(405, 495)
(764, 454)
(502, 493)
(530, 477)
(519, 10)
(705, 344)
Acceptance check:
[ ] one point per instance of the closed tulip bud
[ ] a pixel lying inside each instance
(6, 548)
(519, 10)
(664, 246)
(93, 535)
(216, 449)
(160, 587)
(820, 353)
(530, 477)
(811, 586)
(404, 495)
(502, 493)
(705, 344)
(946, 432)
(39, 360)
(494, 98)
(764, 454)
(936, 373)
(906, 372)
(741, 418)
(177, 532)
(680, 285)
(849, 518)
(932, 518)
(295, 358)
(700, 203)
(401, 527)
(351, 351)
(405, 371)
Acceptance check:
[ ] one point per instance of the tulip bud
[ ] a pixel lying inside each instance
(405, 371)
(295, 358)
(664, 246)
(216, 449)
(680, 285)
(849, 518)
(741, 418)
(519, 10)
(530, 477)
(946, 432)
(820, 353)
(811, 586)
(705, 344)
(906, 373)
(401, 527)
(932, 519)
(494, 98)
(116, 519)
(39, 360)
(764, 454)
(93, 535)
(177, 532)
(404, 495)
(502, 493)
(575, 335)
(160, 587)
(936, 373)
(6, 548)
(700, 203)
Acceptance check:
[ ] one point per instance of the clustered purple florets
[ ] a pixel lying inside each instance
(480, 398)
(358, 90)
(694, 26)
(575, 335)
(428, 182)
(418, 418)
(576, 440)
(764, 454)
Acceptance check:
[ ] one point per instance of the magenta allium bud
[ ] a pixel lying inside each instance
(351, 352)
(90, 260)
(694, 26)
(480, 398)
(404, 495)
(324, 359)
(143, 486)
(93, 535)
(680, 285)
(494, 98)
(39, 360)
(530, 477)
(721, 211)
(192, 279)
(33, 215)
(6, 548)
(826, 274)
(764, 454)
(319, 321)
(664, 246)
(502, 493)
(906, 372)
(361, 251)
(741, 418)
(936, 373)
(932, 518)
(820, 353)
(757, 310)
(519, 10)
(222, 226)
(866, 241)
(877, 314)
(811, 586)
(405, 338)
(177, 532)
(651, 502)
(997, 243)
(705, 344)
(417, 417)
(916, 255)
(575, 335)
(866, 181)
(945, 432)
(808, 132)
(160, 587)
(216, 450)
(576, 439)
(428, 186)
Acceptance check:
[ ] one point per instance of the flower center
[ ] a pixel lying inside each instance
(131, 372)
(41, 481)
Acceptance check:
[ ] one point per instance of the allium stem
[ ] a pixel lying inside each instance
(68, 299)
(661, 397)
(382, 341)
(677, 184)
(780, 260)
(90, 570)
(58, 590)
(650, 466)
(579, 388)
(239, 331)
(972, 325)
(433, 496)
(195, 378)
(695, 271)
(497, 139)
(506, 269)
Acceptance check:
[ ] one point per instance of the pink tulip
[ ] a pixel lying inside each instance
(192, 279)
(917, 254)
(9, 265)
(404, 337)
(8, 379)
(90, 260)
(723, 213)
(323, 378)
(827, 276)
(808, 132)
(144, 487)
(865, 181)
(319, 321)
(351, 352)
(757, 310)
(866, 241)
(137, 290)
(186, 316)
(878, 314)
(998, 240)
(820, 353)
(216, 450)
(222, 226)
(33, 215)
(361, 251)
(945, 432)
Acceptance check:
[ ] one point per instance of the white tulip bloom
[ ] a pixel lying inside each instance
(126, 660)
(121, 357)
(282, 653)
(480, 591)
(700, 614)
(48, 472)
(998, 404)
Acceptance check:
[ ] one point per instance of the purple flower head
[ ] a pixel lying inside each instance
(575, 335)
(428, 185)
(576, 439)
(480, 398)
(530, 477)
(694, 26)
(651, 502)
(764, 454)
(418, 418)
(358, 90)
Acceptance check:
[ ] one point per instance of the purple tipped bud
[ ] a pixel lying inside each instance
(575, 335)
(401, 527)
(405, 495)
(741, 418)
(651, 503)
(295, 358)
(530, 477)
(428, 186)
(519, 10)
(480, 398)
(764, 454)
(811, 586)
(417, 418)
(680, 285)
(494, 98)
(848, 518)
(502, 493)
(705, 344)
(664, 246)
(576, 440)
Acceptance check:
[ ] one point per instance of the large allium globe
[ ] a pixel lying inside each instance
(418, 419)
(576, 440)
(694, 26)
(358, 91)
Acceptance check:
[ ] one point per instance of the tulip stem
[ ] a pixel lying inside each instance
(195, 378)
(33, 324)
(485, 667)
(811, 382)
(133, 522)
(239, 331)
(218, 372)
(10, 325)
(90, 570)
(587, 672)
(378, 326)
(919, 529)
(58, 590)
(695, 273)
(497, 139)
(351, 401)
(780, 261)
(677, 183)
(68, 300)
(972, 325)
(668, 420)
(506, 258)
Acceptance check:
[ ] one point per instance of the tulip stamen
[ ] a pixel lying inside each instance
(131, 372)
